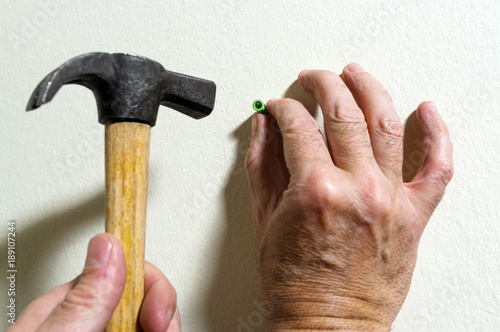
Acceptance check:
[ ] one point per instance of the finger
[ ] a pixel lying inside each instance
(345, 126)
(160, 301)
(303, 143)
(37, 311)
(89, 304)
(384, 126)
(263, 168)
(427, 188)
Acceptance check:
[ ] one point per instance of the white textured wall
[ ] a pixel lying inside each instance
(199, 225)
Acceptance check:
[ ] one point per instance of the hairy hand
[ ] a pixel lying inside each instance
(337, 244)
(87, 302)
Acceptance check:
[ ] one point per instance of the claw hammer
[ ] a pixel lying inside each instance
(129, 90)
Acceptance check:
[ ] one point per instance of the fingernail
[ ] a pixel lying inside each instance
(254, 124)
(98, 251)
(355, 68)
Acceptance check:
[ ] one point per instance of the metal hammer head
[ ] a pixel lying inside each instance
(129, 87)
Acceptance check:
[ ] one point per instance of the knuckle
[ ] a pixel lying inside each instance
(376, 200)
(346, 114)
(443, 173)
(320, 191)
(80, 299)
(390, 127)
(250, 158)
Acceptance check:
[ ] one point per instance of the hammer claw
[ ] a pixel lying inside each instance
(40, 96)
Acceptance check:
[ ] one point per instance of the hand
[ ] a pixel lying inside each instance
(87, 302)
(337, 245)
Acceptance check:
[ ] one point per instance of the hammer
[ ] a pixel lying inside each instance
(129, 90)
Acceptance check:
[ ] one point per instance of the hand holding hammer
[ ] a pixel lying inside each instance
(129, 90)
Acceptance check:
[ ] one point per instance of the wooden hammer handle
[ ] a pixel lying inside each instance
(127, 160)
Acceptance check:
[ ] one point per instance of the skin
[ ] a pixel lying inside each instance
(87, 302)
(337, 240)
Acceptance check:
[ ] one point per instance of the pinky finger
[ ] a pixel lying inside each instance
(427, 188)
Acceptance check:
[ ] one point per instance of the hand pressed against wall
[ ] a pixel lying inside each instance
(337, 245)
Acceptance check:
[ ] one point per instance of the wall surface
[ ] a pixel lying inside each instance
(199, 229)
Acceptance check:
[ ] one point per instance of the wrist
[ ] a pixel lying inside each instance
(345, 315)
(311, 324)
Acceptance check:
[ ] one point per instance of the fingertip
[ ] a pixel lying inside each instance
(428, 104)
(353, 73)
(270, 104)
(99, 251)
(303, 74)
(110, 238)
(424, 107)
(354, 67)
(304, 80)
(430, 120)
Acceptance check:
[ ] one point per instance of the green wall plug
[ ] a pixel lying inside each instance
(259, 106)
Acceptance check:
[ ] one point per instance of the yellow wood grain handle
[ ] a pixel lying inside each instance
(127, 160)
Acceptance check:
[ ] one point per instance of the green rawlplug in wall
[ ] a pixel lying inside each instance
(259, 106)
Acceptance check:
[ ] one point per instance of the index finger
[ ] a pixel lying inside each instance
(303, 143)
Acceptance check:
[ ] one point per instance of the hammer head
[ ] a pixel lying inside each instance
(128, 87)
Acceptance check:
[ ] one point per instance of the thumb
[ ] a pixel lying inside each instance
(89, 304)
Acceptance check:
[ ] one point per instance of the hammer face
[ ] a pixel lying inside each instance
(129, 87)
(189, 95)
